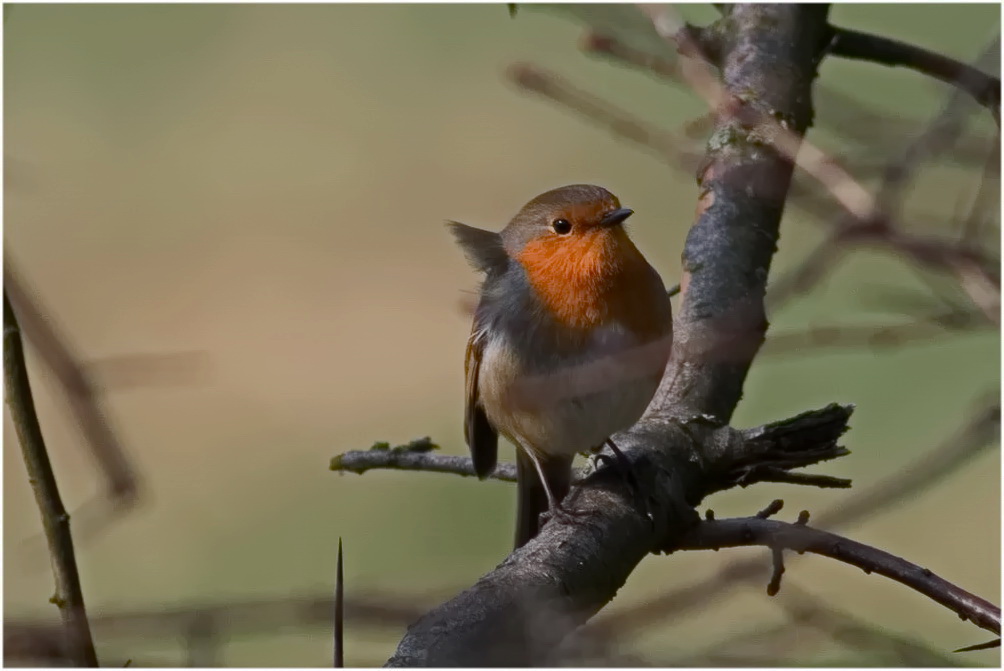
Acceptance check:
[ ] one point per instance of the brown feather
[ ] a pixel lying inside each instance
(481, 437)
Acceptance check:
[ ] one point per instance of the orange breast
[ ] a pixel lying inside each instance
(594, 278)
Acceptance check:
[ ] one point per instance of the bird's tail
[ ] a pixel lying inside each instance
(532, 497)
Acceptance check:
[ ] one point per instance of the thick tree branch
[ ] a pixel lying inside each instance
(716, 534)
(985, 89)
(68, 597)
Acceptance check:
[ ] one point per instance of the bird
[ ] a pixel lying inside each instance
(571, 335)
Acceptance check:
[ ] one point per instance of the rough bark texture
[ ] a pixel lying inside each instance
(518, 613)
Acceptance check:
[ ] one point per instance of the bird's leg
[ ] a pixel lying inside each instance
(554, 507)
(624, 467)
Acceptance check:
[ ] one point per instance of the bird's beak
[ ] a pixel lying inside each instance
(615, 217)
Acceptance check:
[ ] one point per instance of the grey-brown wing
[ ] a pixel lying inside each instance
(481, 437)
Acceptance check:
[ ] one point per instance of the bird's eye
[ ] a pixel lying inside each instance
(561, 226)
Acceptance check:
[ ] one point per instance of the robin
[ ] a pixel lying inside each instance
(571, 336)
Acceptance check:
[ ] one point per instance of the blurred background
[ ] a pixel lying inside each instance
(233, 217)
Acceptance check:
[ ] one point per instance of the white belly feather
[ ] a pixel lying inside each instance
(571, 405)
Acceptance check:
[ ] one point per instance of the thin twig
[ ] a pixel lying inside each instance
(985, 89)
(68, 596)
(414, 456)
(745, 531)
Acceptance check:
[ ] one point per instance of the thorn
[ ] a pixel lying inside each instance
(980, 646)
(709, 515)
(803, 518)
(339, 611)
(512, 9)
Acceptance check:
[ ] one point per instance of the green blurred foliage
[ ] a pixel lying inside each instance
(268, 183)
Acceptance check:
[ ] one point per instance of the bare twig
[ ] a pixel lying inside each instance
(68, 596)
(414, 456)
(801, 538)
(985, 89)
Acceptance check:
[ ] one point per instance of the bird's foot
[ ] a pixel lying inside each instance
(622, 465)
(565, 515)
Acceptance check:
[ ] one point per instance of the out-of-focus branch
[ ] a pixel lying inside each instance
(204, 626)
(974, 268)
(811, 622)
(809, 610)
(932, 327)
(716, 534)
(985, 89)
(69, 597)
(26, 640)
(864, 221)
(664, 144)
(82, 393)
(987, 203)
(858, 123)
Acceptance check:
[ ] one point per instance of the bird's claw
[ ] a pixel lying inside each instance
(625, 469)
